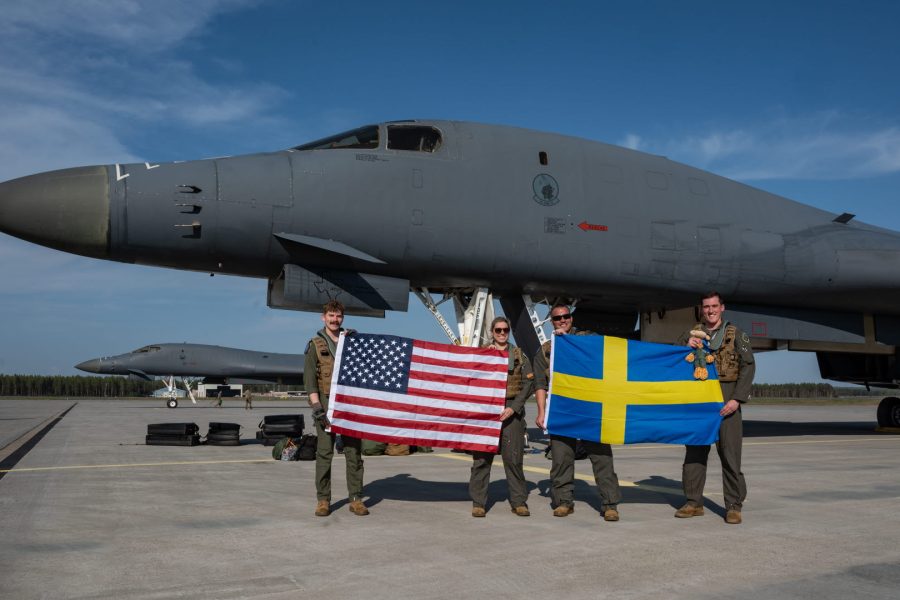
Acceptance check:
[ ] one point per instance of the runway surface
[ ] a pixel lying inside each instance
(88, 511)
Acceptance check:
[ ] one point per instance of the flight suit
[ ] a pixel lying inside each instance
(317, 370)
(519, 386)
(735, 367)
(562, 448)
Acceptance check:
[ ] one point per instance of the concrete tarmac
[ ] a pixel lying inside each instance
(88, 511)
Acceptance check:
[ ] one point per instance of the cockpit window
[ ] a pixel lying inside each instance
(146, 349)
(413, 137)
(364, 137)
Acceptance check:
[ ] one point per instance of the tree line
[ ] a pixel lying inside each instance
(75, 386)
(808, 390)
(118, 387)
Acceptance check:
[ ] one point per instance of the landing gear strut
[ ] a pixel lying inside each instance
(474, 308)
(474, 313)
(172, 394)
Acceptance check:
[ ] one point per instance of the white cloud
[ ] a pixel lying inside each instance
(78, 78)
(824, 146)
(137, 24)
(631, 141)
(43, 138)
(37, 270)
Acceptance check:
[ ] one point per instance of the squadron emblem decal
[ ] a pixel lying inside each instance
(546, 190)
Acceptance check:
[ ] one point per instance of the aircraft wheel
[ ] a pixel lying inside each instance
(173, 403)
(889, 412)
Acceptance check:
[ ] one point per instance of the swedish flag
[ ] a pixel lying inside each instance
(619, 391)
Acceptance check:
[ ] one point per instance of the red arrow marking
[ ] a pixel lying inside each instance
(585, 226)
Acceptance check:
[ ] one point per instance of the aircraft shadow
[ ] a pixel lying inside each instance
(405, 487)
(754, 428)
(654, 490)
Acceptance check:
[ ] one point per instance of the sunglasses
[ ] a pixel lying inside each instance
(501, 329)
(561, 317)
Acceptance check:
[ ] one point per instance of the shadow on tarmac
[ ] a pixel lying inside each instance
(405, 487)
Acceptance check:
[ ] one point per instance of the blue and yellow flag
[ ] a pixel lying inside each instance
(619, 391)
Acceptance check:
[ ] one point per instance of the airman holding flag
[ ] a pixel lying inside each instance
(519, 384)
(735, 366)
(562, 448)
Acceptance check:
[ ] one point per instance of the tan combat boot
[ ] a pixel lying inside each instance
(358, 508)
(521, 511)
(689, 510)
(610, 514)
(478, 511)
(563, 510)
(733, 517)
(323, 509)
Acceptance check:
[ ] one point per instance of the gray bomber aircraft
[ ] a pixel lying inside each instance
(468, 211)
(215, 364)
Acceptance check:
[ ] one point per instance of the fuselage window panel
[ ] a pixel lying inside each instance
(146, 349)
(413, 138)
(362, 138)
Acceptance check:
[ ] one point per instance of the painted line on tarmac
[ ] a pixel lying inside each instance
(887, 429)
(12, 453)
(127, 465)
(830, 441)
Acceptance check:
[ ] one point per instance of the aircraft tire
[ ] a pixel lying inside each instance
(223, 442)
(173, 440)
(889, 412)
(172, 429)
(172, 403)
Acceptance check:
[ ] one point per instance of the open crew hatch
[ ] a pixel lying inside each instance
(416, 138)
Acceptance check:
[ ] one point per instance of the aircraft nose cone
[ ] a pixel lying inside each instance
(90, 366)
(67, 210)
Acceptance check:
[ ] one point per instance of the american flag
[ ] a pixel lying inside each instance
(403, 391)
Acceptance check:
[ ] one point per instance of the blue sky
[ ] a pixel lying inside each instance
(801, 99)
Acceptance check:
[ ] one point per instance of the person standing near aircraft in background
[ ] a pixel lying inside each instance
(320, 354)
(519, 384)
(735, 368)
(248, 399)
(562, 470)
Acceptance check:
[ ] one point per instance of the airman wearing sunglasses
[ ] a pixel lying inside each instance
(562, 470)
(519, 385)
